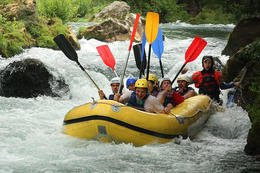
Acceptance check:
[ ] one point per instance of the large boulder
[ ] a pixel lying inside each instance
(19, 9)
(245, 32)
(116, 9)
(116, 24)
(249, 98)
(30, 78)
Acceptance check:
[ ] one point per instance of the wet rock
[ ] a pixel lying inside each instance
(245, 32)
(117, 10)
(249, 97)
(30, 78)
(116, 24)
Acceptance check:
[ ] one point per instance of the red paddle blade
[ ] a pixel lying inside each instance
(194, 49)
(134, 30)
(106, 56)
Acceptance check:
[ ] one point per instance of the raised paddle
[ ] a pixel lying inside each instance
(141, 64)
(129, 49)
(194, 50)
(69, 51)
(158, 47)
(107, 57)
(151, 31)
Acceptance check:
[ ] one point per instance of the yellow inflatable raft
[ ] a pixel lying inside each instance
(109, 121)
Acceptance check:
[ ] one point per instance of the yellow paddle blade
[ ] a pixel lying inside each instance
(151, 26)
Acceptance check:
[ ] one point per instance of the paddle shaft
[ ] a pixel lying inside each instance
(148, 65)
(121, 80)
(82, 68)
(161, 68)
(129, 49)
(179, 72)
(70, 53)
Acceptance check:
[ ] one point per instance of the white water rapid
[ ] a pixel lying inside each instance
(31, 138)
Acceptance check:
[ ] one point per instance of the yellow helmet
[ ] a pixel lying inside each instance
(153, 78)
(141, 83)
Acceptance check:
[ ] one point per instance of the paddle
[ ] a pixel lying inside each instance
(158, 47)
(197, 45)
(68, 50)
(141, 64)
(107, 57)
(231, 98)
(129, 49)
(151, 31)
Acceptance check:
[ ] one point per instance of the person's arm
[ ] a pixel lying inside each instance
(224, 85)
(161, 96)
(189, 94)
(125, 97)
(101, 95)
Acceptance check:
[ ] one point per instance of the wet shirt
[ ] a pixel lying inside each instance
(151, 104)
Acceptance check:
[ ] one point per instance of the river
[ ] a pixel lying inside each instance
(31, 138)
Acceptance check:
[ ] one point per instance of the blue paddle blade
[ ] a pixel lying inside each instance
(157, 45)
(143, 45)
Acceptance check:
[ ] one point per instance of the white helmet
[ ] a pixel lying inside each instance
(115, 80)
(164, 79)
(185, 78)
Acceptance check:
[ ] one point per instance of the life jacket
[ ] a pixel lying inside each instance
(174, 98)
(136, 103)
(111, 97)
(208, 83)
(182, 92)
(177, 98)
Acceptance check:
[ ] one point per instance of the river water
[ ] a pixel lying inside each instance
(31, 138)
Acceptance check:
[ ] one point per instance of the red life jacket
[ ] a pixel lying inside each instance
(177, 98)
(208, 83)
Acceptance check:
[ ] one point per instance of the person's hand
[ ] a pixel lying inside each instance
(184, 71)
(166, 110)
(237, 84)
(117, 96)
(101, 94)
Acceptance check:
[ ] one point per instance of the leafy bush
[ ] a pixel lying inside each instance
(12, 37)
(63, 9)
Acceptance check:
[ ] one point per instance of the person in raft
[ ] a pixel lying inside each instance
(167, 96)
(130, 84)
(153, 85)
(114, 83)
(183, 87)
(141, 99)
(209, 80)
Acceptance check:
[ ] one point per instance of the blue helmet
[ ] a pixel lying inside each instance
(130, 81)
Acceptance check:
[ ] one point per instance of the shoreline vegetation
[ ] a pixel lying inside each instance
(25, 26)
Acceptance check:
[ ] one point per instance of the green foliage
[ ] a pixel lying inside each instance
(63, 9)
(84, 7)
(44, 30)
(169, 10)
(213, 16)
(252, 51)
(12, 37)
(4, 2)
